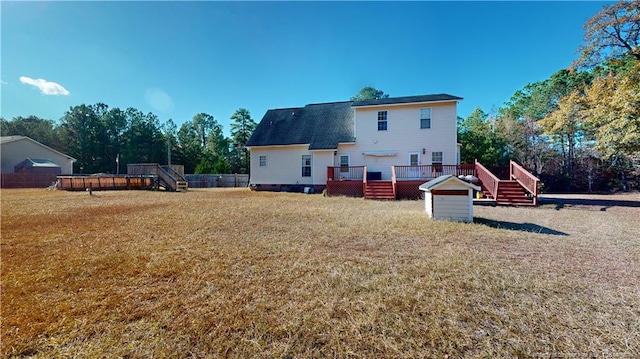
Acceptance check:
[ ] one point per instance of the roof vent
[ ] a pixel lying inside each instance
(293, 113)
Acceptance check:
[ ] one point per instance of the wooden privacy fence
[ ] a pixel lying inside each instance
(27, 180)
(217, 180)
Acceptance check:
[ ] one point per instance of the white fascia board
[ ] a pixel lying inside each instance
(406, 103)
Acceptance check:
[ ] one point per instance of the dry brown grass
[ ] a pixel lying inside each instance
(233, 273)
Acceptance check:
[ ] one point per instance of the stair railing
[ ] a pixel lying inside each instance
(527, 180)
(393, 180)
(364, 180)
(488, 179)
(167, 178)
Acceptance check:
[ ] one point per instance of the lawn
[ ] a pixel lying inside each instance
(234, 273)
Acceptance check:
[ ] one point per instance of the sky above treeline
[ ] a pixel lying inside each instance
(177, 59)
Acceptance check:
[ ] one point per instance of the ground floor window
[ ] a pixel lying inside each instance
(263, 161)
(306, 165)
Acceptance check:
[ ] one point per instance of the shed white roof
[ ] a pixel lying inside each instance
(440, 181)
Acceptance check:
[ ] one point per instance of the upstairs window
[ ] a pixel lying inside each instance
(425, 117)
(263, 161)
(306, 165)
(382, 120)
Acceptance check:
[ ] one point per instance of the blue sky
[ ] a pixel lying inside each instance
(176, 59)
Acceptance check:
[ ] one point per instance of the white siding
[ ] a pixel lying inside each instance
(403, 136)
(321, 160)
(284, 165)
(451, 208)
(17, 151)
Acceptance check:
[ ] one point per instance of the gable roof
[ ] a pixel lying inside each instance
(407, 99)
(441, 180)
(322, 126)
(9, 139)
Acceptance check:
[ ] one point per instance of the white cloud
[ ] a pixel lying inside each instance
(46, 87)
(4, 82)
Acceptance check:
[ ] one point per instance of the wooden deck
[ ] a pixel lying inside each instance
(521, 189)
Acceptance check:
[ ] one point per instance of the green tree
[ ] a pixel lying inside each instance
(83, 130)
(143, 138)
(42, 130)
(199, 143)
(479, 141)
(242, 127)
(369, 93)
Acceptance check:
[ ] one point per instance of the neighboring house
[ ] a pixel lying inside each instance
(14, 150)
(298, 146)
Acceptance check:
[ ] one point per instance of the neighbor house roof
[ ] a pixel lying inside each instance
(9, 139)
(36, 162)
(321, 126)
(407, 99)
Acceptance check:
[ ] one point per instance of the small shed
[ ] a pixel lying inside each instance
(450, 198)
(34, 165)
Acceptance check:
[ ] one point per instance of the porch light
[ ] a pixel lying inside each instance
(424, 151)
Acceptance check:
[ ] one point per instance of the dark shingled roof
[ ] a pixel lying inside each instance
(322, 126)
(407, 99)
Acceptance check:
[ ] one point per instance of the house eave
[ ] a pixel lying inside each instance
(404, 104)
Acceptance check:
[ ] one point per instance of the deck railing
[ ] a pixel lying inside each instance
(427, 172)
(489, 181)
(345, 173)
(526, 179)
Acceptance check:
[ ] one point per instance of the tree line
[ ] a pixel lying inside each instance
(105, 140)
(578, 130)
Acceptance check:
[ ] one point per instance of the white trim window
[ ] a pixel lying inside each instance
(263, 161)
(425, 117)
(306, 165)
(382, 120)
(436, 157)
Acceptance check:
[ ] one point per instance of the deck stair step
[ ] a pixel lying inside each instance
(512, 193)
(379, 190)
(182, 185)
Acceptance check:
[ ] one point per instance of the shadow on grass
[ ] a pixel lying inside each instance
(524, 227)
(604, 204)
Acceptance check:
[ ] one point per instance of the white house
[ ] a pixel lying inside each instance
(16, 149)
(299, 146)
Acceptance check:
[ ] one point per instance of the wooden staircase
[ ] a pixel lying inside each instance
(521, 189)
(511, 193)
(379, 190)
(171, 179)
